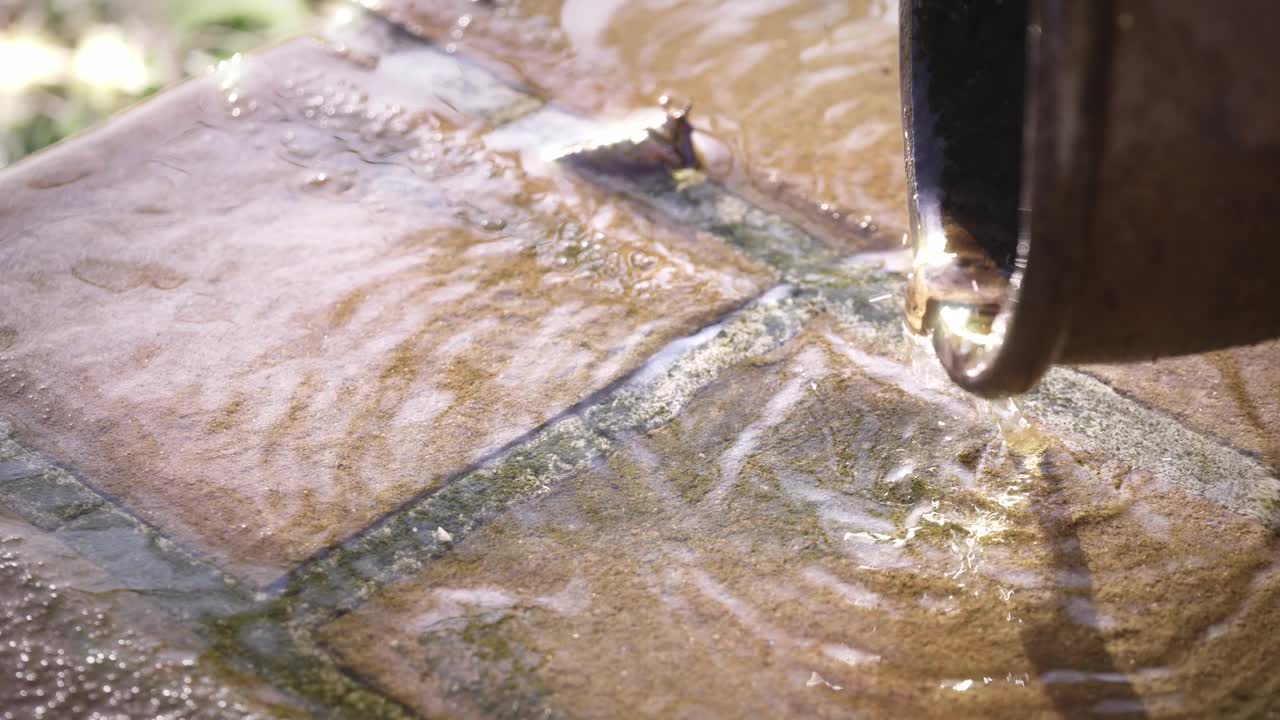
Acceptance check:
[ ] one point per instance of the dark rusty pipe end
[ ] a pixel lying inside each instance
(1089, 181)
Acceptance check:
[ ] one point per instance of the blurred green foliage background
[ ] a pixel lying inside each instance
(65, 64)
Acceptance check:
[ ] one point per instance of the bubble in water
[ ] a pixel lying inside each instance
(69, 653)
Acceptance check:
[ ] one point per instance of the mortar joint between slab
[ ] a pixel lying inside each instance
(345, 575)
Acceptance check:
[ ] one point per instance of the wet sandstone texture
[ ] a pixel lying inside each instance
(799, 100)
(273, 306)
(1233, 394)
(77, 641)
(334, 378)
(809, 539)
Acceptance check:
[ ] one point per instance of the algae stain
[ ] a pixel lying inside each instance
(1229, 369)
(228, 417)
(488, 639)
(145, 354)
(366, 432)
(404, 363)
(291, 422)
(343, 310)
(290, 660)
(8, 337)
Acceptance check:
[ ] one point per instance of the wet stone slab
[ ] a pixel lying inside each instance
(78, 642)
(799, 100)
(421, 531)
(1233, 394)
(818, 535)
(281, 301)
(1078, 409)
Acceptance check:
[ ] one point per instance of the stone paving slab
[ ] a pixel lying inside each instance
(140, 595)
(651, 397)
(1072, 404)
(135, 556)
(1233, 394)
(811, 539)
(77, 641)
(279, 303)
(829, 144)
(689, 198)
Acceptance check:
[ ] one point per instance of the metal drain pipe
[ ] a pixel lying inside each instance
(1090, 180)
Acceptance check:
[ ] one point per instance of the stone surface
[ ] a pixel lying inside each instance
(653, 396)
(275, 304)
(820, 535)
(802, 95)
(77, 642)
(525, 449)
(1097, 418)
(134, 555)
(1233, 394)
(1077, 409)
